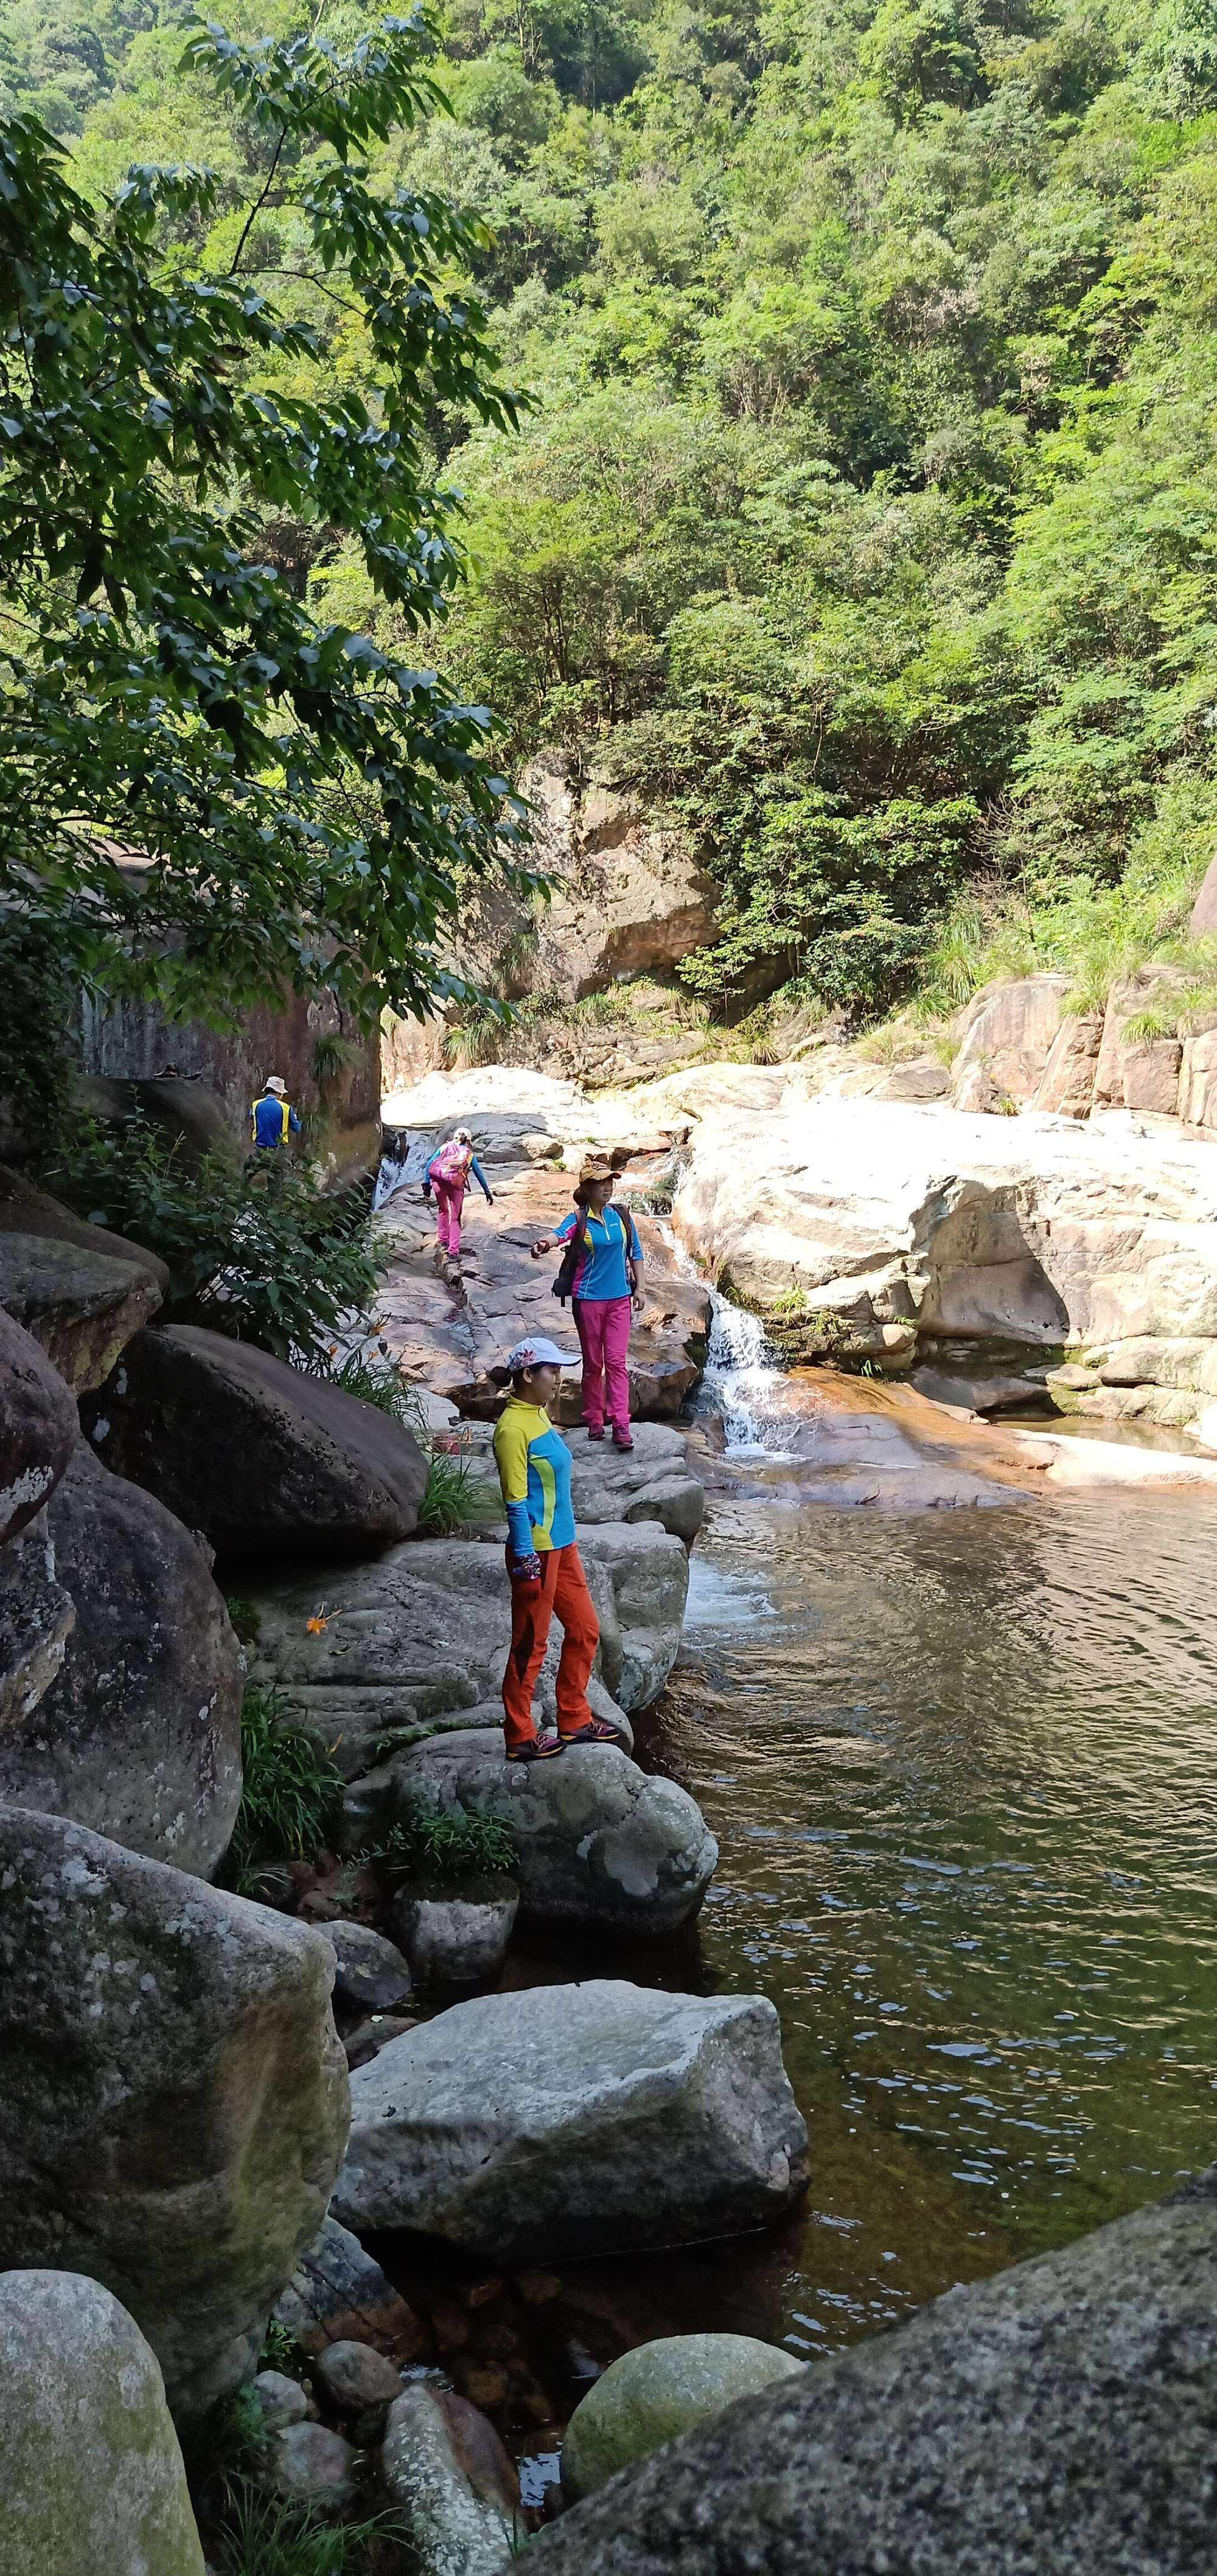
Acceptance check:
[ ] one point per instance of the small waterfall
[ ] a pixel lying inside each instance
(743, 1381)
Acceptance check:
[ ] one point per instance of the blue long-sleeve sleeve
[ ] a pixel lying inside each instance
(479, 1175)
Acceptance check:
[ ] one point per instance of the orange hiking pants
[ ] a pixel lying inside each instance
(564, 1589)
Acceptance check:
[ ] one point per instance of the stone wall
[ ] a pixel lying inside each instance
(133, 1041)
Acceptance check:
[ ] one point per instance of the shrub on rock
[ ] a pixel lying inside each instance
(138, 1733)
(93, 2476)
(174, 2105)
(576, 2120)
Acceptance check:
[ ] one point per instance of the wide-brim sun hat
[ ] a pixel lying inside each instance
(596, 1167)
(537, 1352)
(275, 1082)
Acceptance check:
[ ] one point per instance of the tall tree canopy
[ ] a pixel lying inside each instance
(206, 789)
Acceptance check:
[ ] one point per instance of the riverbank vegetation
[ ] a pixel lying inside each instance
(866, 519)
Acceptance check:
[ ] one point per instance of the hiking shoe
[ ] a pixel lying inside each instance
(541, 1749)
(599, 1732)
(622, 1440)
(595, 1431)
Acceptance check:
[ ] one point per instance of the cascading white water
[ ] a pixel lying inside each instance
(742, 1381)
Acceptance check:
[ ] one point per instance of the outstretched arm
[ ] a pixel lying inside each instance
(479, 1175)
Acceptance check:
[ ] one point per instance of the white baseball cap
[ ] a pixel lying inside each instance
(538, 1353)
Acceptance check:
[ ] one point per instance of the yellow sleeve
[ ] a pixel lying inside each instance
(511, 1439)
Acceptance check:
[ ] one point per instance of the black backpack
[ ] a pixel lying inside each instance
(565, 1281)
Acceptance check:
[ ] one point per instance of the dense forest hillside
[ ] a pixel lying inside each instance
(866, 516)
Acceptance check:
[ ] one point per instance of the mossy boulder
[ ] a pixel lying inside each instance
(657, 2392)
(93, 2476)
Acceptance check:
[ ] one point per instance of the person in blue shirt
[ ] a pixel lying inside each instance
(600, 1275)
(272, 1118)
(543, 1562)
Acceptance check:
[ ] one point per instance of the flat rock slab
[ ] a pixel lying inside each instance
(597, 1842)
(174, 2104)
(261, 1457)
(93, 2476)
(38, 1427)
(136, 1732)
(1056, 2421)
(423, 1634)
(455, 1337)
(576, 2120)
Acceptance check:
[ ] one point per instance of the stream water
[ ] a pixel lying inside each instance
(961, 1768)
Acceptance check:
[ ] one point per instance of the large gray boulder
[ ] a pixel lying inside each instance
(597, 1841)
(576, 2120)
(25, 1209)
(1056, 2421)
(137, 1732)
(93, 2477)
(38, 1427)
(259, 1456)
(657, 2392)
(423, 1634)
(174, 2105)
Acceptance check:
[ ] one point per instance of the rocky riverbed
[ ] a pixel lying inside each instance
(347, 2140)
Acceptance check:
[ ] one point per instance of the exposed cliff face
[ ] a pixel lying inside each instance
(630, 897)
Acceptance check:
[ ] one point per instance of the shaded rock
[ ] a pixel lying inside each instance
(1066, 1086)
(1134, 1072)
(365, 2042)
(1198, 1079)
(650, 1482)
(1054, 2421)
(81, 1305)
(596, 1841)
(36, 1621)
(978, 1394)
(575, 2120)
(259, 1456)
(93, 2476)
(629, 894)
(372, 1973)
(422, 1635)
(354, 2377)
(137, 1734)
(457, 1940)
(452, 2482)
(657, 2392)
(1203, 922)
(337, 2294)
(25, 1209)
(175, 2100)
(306, 2464)
(38, 1427)
(280, 2401)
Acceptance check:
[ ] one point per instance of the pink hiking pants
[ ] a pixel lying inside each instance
(448, 1204)
(603, 1327)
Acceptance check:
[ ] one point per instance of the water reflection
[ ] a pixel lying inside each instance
(961, 1769)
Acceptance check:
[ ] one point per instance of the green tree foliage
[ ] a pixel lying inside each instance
(866, 520)
(206, 790)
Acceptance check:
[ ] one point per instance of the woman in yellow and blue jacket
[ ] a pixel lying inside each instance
(543, 1562)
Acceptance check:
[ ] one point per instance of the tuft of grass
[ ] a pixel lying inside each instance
(263, 2537)
(281, 2349)
(290, 1792)
(453, 1495)
(447, 1845)
(374, 1381)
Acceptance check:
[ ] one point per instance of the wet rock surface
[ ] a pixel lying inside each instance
(337, 2293)
(136, 1732)
(93, 2475)
(262, 1458)
(1050, 2422)
(191, 2032)
(576, 2120)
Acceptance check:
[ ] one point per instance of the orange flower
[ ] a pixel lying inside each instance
(314, 1626)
